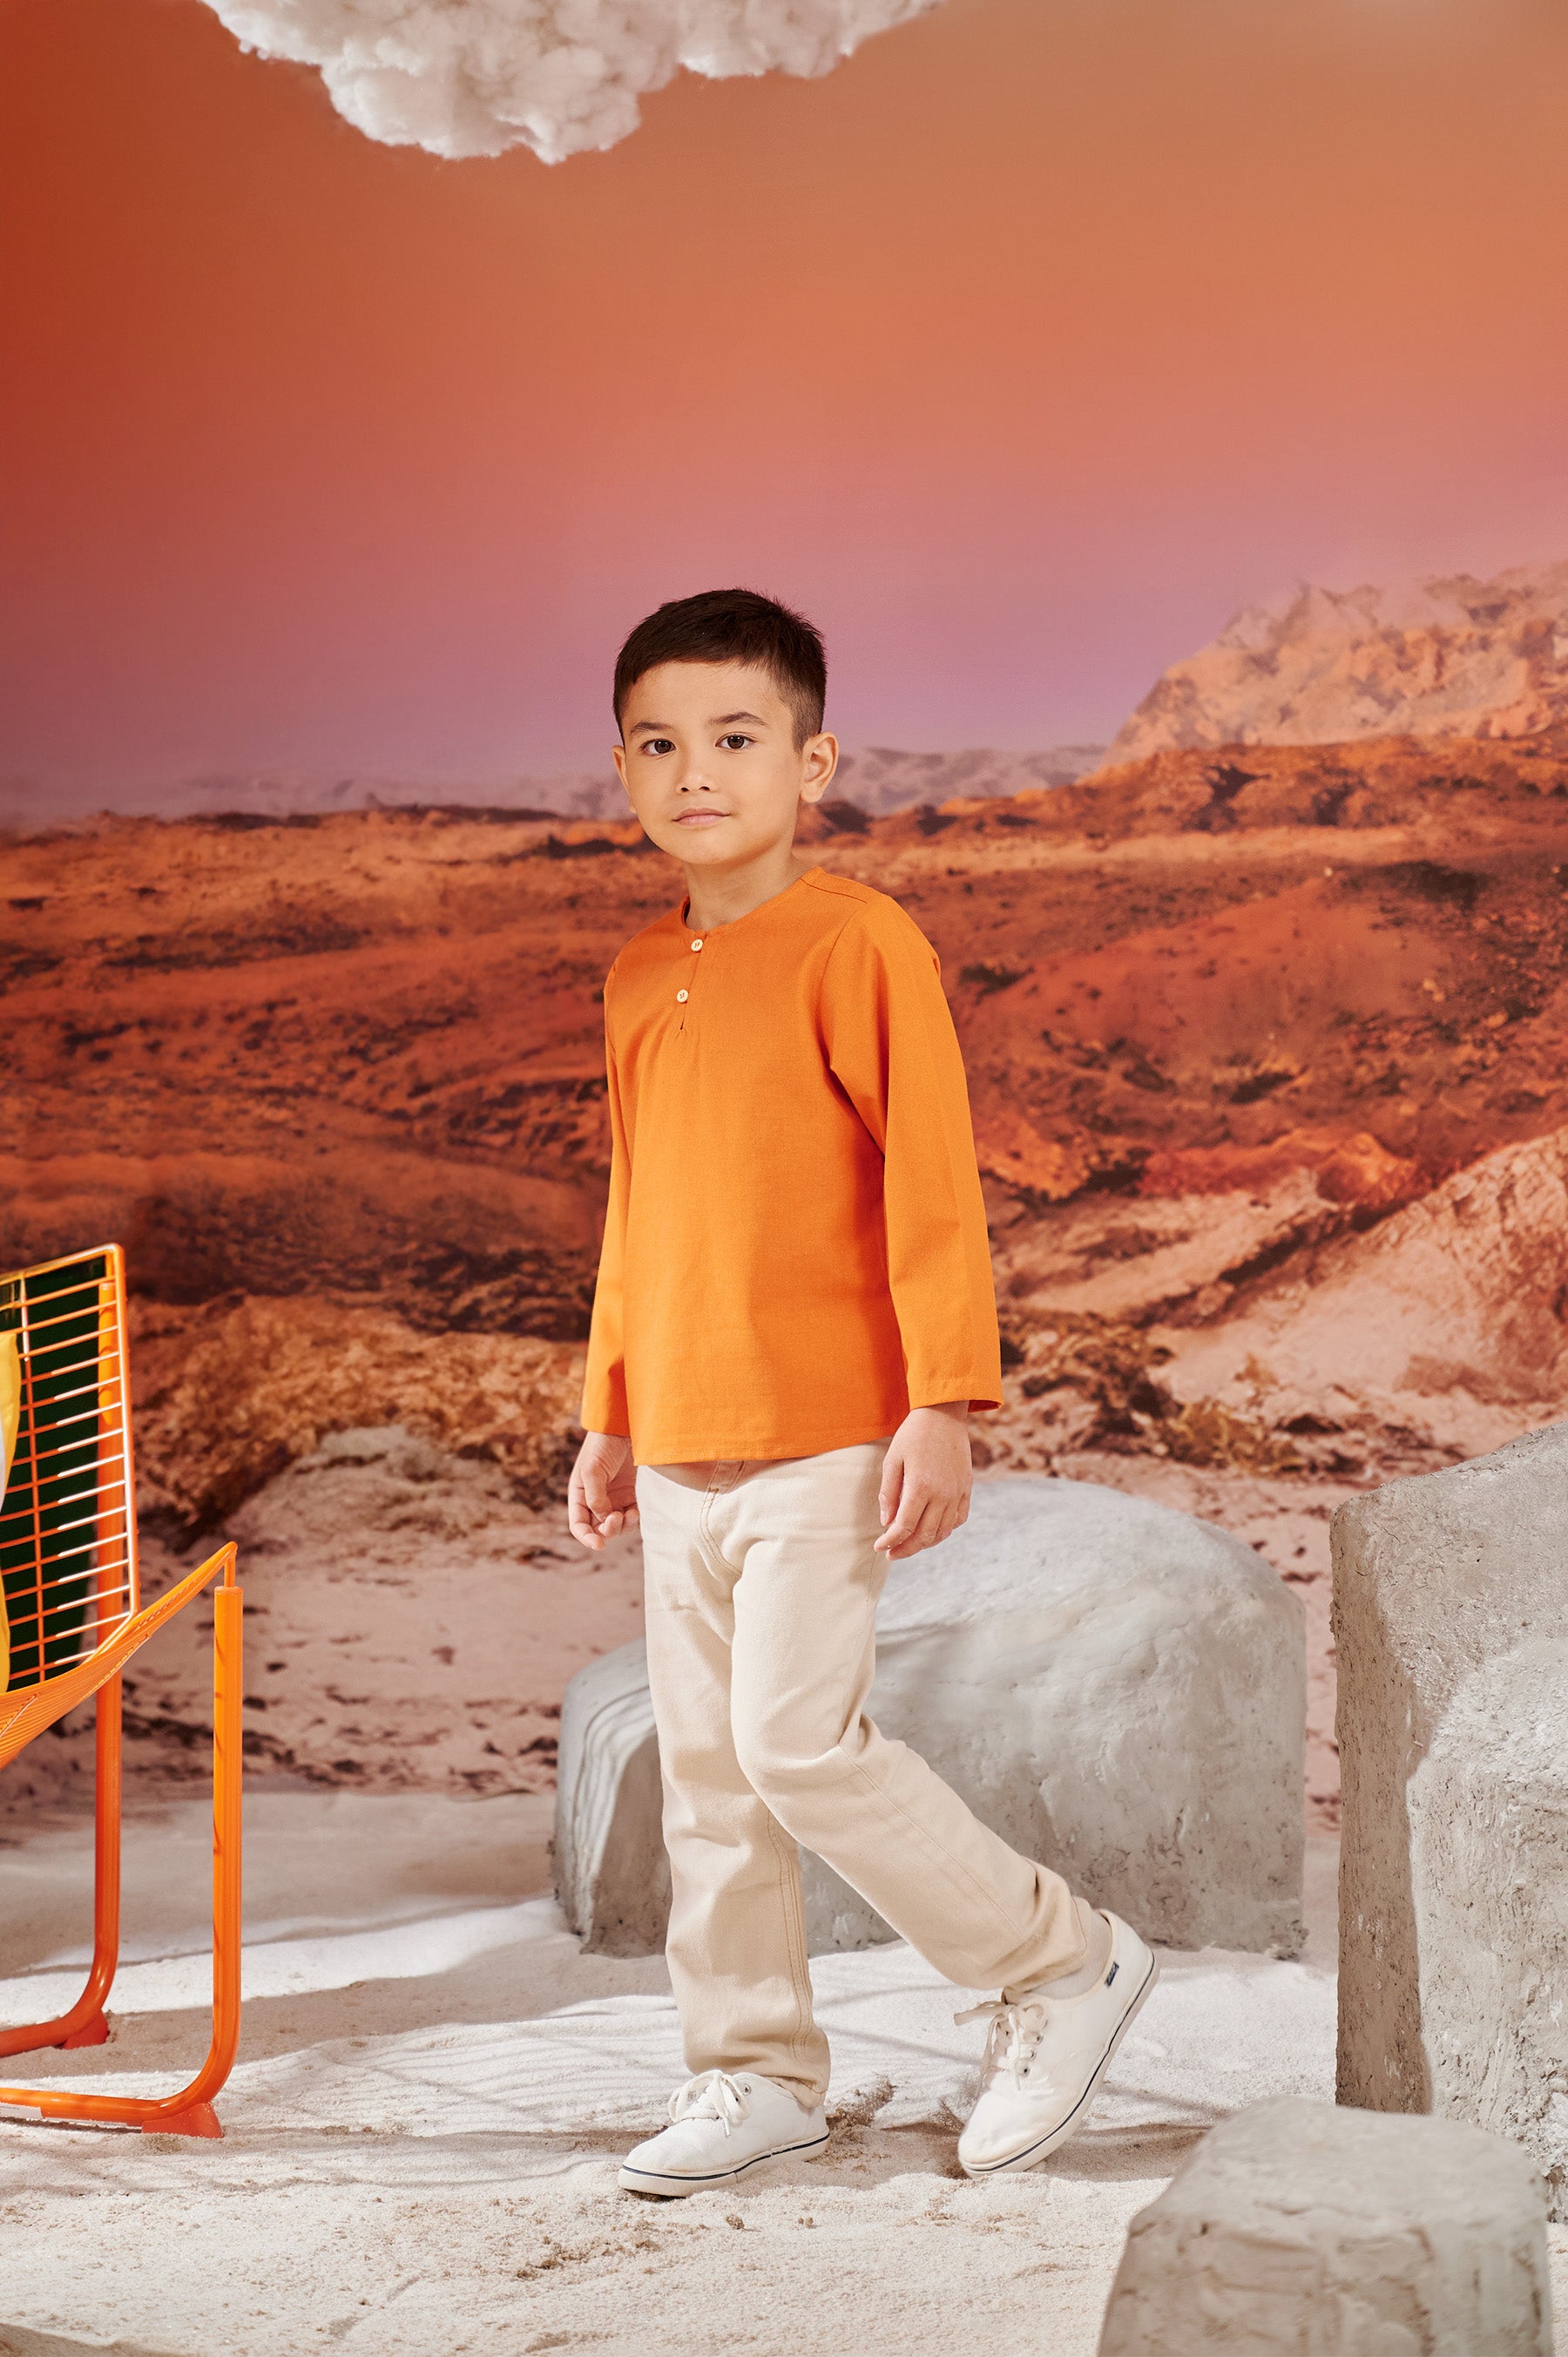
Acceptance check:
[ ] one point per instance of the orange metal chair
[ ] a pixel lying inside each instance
(71, 1617)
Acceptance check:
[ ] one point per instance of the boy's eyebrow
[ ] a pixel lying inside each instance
(722, 720)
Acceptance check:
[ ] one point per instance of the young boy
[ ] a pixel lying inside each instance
(794, 1318)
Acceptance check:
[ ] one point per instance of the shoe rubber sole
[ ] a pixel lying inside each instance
(1031, 2155)
(648, 2180)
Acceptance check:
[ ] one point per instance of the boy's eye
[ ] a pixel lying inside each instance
(734, 741)
(659, 743)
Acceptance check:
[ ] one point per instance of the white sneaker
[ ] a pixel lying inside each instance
(1046, 2056)
(721, 2127)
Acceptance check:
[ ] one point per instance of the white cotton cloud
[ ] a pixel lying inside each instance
(475, 77)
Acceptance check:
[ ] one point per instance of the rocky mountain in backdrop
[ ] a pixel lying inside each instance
(1451, 656)
(879, 780)
(874, 781)
(1448, 657)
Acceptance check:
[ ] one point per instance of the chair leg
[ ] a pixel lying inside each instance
(85, 2024)
(92, 2029)
(190, 2113)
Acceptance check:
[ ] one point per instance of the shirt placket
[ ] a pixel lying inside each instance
(686, 992)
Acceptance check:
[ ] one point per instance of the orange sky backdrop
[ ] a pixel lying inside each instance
(1018, 350)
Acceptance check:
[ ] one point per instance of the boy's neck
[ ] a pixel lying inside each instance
(718, 897)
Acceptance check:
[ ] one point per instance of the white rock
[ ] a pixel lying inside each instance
(1117, 1688)
(612, 1874)
(1488, 1833)
(1450, 1598)
(1297, 2228)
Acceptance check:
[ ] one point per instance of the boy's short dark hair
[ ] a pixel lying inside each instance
(733, 626)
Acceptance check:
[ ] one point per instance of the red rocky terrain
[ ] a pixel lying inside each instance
(1266, 1055)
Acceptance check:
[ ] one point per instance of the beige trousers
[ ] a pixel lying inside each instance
(761, 1602)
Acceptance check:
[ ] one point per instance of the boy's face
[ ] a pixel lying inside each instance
(710, 764)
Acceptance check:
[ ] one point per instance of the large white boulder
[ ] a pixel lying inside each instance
(1118, 1689)
(1450, 1608)
(1296, 2229)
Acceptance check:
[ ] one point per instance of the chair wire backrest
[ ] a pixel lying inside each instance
(68, 1524)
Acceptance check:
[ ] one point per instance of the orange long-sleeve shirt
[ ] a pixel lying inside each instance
(795, 1249)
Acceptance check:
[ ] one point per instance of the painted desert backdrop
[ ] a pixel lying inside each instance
(1266, 1049)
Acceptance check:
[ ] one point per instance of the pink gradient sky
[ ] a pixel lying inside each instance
(1019, 352)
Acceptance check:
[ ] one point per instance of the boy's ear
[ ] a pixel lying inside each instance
(618, 755)
(819, 760)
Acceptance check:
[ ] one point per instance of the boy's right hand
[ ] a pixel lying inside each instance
(601, 1497)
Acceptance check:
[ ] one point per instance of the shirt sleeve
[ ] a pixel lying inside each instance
(892, 1047)
(604, 1385)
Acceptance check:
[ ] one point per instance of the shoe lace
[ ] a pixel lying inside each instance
(1014, 2035)
(711, 2096)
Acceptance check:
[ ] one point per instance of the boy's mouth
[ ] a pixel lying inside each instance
(701, 817)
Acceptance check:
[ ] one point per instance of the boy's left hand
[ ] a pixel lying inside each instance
(926, 1480)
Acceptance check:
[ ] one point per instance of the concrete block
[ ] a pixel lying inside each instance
(1450, 1598)
(1117, 1688)
(1297, 2230)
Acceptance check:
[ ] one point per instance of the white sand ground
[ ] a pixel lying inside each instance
(434, 2083)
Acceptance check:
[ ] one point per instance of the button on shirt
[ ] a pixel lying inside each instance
(795, 1248)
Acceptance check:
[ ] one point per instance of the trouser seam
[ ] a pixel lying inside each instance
(777, 1836)
(794, 1932)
